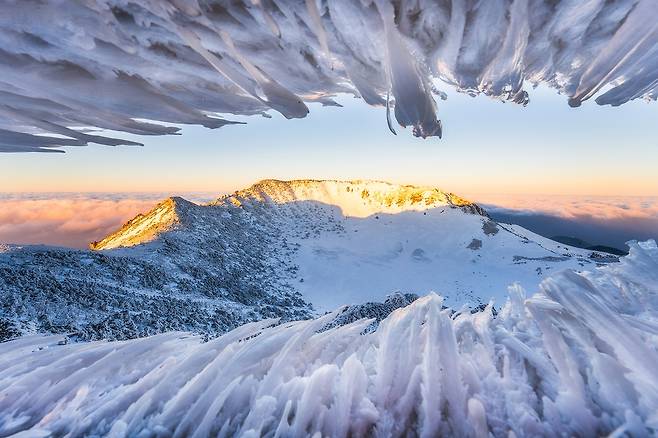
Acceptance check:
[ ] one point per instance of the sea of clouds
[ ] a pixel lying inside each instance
(599, 220)
(73, 219)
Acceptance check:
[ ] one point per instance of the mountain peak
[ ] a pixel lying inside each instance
(358, 198)
(144, 228)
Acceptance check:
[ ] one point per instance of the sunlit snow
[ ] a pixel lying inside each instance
(576, 359)
(121, 65)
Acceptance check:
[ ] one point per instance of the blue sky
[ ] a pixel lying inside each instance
(488, 147)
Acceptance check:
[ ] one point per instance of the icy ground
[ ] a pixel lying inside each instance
(578, 358)
(278, 249)
(127, 66)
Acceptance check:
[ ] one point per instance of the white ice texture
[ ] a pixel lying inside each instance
(578, 358)
(69, 68)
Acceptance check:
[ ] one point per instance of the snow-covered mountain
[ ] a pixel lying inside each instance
(577, 359)
(382, 238)
(276, 249)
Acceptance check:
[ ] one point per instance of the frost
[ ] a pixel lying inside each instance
(138, 67)
(578, 358)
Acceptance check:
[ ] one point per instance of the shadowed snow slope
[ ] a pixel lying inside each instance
(270, 251)
(119, 65)
(577, 359)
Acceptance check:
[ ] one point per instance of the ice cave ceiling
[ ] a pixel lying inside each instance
(70, 70)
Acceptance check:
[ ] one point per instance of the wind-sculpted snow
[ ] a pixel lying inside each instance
(128, 66)
(576, 359)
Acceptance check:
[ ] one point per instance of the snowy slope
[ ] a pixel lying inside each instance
(274, 250)
(576, 359)
(125, 66)
(362, 240)
(439, 250)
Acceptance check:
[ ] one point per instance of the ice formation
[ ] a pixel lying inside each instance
(578, 358)
(69, 68)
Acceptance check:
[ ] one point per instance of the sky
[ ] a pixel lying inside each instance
(556, 170)
(488, 147)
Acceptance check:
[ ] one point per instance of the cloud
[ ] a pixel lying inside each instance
(602, 208)
(71, 219)
(606, 220)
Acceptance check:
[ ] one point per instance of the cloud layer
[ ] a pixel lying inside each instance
(71, 219)
(599, 220)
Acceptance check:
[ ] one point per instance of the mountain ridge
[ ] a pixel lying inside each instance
(366, 196)
(580, 243)
(277, 249)
(345, 231)
(358, 198)
(146, 227)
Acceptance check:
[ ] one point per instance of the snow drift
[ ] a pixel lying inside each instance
(577, 358)
(122, 65)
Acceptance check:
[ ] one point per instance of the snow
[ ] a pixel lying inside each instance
(148, 67)
(286, 249)
(357, 198)
(576, 358)
(189, 268)
(420, 253)
(362, 240)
